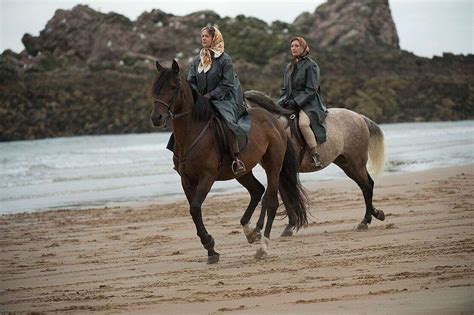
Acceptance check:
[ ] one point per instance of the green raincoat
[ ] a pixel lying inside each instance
(303, 86)
(223, 84)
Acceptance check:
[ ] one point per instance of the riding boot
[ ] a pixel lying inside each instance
(316, 158)
(237, 165)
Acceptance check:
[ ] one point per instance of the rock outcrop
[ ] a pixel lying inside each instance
(363, 24)
(91, 73)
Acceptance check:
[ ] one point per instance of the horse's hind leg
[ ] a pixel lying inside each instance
(378, 214)
(256, 190)
(290, 227)
(359, 174)
(269, 206)
(270, 199)
(261, 220)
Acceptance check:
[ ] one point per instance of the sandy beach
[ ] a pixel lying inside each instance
(147, 259)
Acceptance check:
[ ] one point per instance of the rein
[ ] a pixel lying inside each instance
(171, 114)
(174, 116)
(191, 147)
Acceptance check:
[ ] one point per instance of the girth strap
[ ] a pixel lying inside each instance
(296, 132)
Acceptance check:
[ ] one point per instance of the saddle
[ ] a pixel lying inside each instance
(205, 109)
(221, 133)
(264, 101)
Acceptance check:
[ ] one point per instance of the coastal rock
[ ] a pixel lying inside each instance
(366, 24)
(91, 73)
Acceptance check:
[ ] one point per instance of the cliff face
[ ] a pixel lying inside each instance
(363, 24)
(90, 73)
(84, 36)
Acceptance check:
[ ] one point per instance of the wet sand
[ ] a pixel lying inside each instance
(147, 259)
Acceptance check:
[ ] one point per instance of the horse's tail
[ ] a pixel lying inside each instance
(291, 190)
(260, 99)
(376, 148)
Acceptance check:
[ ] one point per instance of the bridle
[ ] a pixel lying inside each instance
(169, 105)
(174, 116)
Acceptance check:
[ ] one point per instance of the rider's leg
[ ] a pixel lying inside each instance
(233, 142)
(304, 124)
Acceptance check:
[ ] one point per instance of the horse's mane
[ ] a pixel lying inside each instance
(161, 80)
(202, 109)
(264, 101)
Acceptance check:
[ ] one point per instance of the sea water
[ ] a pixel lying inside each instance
(88, 171)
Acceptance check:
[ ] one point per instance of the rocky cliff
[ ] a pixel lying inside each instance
(341, 23)
(90, 73)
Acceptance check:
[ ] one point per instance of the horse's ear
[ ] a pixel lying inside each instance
(175, 66)
(159, 67)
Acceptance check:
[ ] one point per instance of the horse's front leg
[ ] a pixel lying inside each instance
(261, 221)
(200, 192)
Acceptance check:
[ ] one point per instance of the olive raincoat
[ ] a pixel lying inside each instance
(301, 83)
(223, 84)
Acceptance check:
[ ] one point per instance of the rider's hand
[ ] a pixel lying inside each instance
(208, 96)
(284, 103)
(291, 104)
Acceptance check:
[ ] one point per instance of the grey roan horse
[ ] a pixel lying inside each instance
(200, 163)
(351, 139)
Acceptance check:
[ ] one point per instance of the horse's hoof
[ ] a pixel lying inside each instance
(288, 231)
(258, 235)
(261, 254)
(362, 226)
(252, 237)
(213, 259)
(380, 215)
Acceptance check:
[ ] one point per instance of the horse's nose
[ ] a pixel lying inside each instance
(155, 120)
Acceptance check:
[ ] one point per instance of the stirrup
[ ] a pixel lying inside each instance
(238, 167)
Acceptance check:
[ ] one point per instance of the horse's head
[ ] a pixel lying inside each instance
(166, 95)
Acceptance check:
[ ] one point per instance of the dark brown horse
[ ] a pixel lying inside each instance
(198, 160)
(352, 141)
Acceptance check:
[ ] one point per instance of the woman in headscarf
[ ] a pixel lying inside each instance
(213, 76)
(301, 91)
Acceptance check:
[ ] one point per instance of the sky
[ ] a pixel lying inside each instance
(425, 27)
